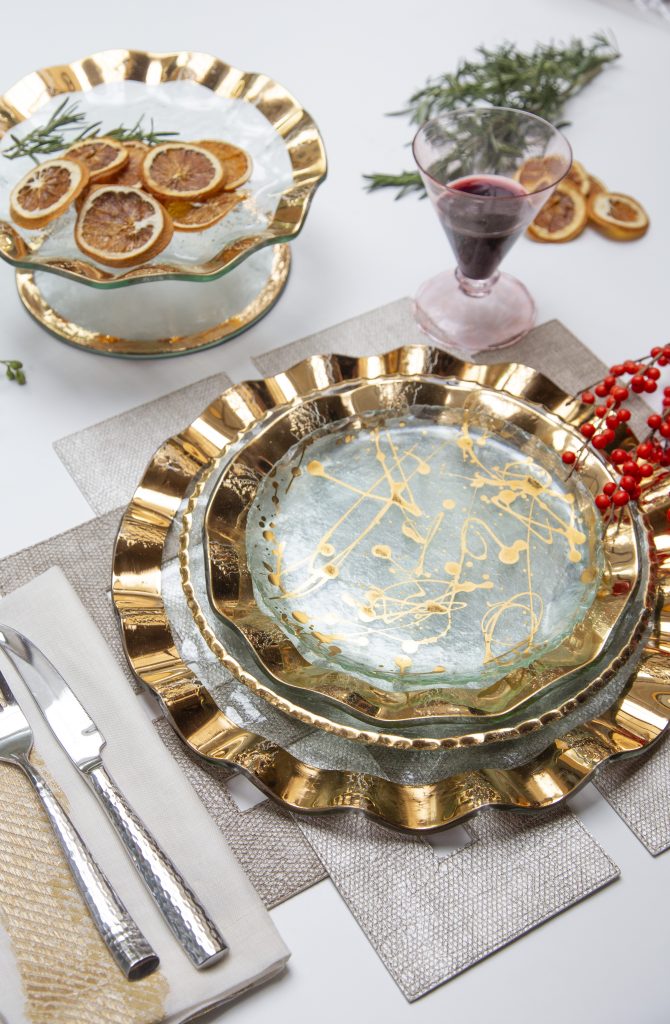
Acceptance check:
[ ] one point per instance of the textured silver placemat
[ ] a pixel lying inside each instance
(431, 918)
(108, 459)
(639, 791)
(265, 839)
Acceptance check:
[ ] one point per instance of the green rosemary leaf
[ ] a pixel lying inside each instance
(14, 370)
(406, 182)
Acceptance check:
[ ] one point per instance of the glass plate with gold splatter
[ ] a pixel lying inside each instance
(416, 550)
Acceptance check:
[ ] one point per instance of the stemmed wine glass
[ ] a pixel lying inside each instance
(488, 171)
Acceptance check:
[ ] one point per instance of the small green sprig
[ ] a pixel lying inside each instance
(67, 126)
(13, 370)
(138, 134)
(540, 81)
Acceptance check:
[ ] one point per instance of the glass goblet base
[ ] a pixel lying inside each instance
(469, 317)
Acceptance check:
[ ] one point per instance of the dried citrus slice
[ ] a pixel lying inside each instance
(562, 217)
(103, 157)
(180, 170)
(199, 216)
(540, 171)
(618, 216)
(131, 172)
(122, 226)
(579, 177)
(236, 162)
(46, 191)
(596, 185)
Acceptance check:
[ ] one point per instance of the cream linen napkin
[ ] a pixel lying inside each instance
(54, 969)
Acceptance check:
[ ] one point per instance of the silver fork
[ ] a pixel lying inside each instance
(125, 941)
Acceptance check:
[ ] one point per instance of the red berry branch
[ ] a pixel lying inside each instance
(632, 466)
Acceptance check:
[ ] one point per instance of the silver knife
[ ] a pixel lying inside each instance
(83, 743)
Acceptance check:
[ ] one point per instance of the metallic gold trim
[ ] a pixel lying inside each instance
(303, 142)
(232, 595)
(634, 721)
(82, 337)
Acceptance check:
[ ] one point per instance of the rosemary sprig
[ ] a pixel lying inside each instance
(13, 370)
(67, 125)
(540, 81)
(138, 134)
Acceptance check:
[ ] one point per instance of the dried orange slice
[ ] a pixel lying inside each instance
(618, 216)
(236, 162)
(562, 217)
(46, 191)
(539, 171)
(122, 226)
(200, 216)
(596, 185)
(103, 157)
(180, 170)
(131, 172)
(579, 177)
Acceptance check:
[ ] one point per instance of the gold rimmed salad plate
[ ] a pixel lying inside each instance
(419, 794)
(414, 549)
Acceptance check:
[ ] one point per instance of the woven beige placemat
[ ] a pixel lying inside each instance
(107, 460)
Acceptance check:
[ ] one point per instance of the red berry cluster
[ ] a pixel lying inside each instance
(638, 376)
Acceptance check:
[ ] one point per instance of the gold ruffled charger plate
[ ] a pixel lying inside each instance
(255, 693)
(244, 258)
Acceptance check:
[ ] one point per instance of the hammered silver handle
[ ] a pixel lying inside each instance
(184, 915)
(124, 940)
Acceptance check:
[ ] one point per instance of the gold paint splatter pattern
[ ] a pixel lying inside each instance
(436, 543)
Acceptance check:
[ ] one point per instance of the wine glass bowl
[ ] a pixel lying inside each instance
(488, 171)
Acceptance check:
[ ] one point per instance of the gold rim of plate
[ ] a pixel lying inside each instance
(296, 127)
(232, 597)
(634, 721)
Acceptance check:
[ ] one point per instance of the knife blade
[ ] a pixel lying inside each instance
(83, 742)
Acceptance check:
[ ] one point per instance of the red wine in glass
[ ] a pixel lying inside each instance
(482, 215)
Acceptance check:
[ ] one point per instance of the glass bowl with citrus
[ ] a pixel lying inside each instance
(114, 173)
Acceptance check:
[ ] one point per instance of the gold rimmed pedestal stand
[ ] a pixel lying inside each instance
(157, 319)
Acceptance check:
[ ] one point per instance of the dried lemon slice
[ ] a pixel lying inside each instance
(122, 226)
(617, 215)
(562, 217)
(46, 191)
(131, 172)
(200, 216)
(103, 157)
(236, 162)
(180, 170)
(540, 171)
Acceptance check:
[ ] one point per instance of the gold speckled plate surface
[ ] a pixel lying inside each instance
(635, 719)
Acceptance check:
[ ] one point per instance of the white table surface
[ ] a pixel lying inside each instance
(348, 63)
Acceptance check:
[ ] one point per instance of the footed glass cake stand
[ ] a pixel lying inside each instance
(244, 259)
